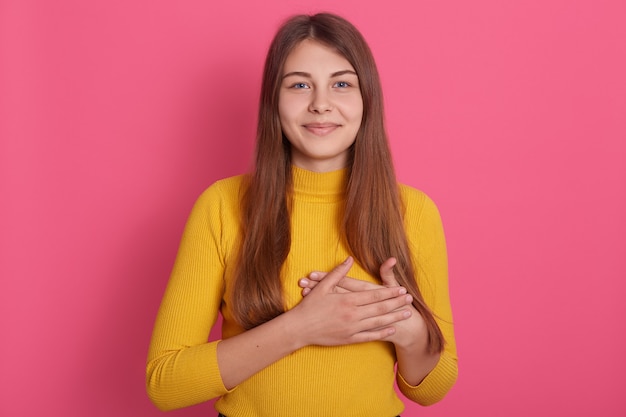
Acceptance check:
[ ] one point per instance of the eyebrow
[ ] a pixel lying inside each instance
(307, 75)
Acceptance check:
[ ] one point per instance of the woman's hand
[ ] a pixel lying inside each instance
(336, 315)
(407, 332)
(410, 336)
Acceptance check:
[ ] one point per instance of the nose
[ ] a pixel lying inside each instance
(320, 102)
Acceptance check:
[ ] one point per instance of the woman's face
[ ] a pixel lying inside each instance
(320, 106)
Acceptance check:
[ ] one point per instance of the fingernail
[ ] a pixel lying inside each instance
(408, 299)
(347, 261)
(314, 275)
(407, 314)
(304, 281)
(402, 290)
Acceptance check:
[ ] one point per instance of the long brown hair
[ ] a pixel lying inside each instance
(372, 235)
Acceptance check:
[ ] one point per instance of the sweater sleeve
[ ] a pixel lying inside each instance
(428, 248)
(182, 367)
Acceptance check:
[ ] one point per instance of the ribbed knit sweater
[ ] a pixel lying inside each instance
(352, 380)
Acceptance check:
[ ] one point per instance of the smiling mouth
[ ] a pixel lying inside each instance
(321, 129)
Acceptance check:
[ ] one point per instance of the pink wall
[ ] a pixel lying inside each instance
(510, 114)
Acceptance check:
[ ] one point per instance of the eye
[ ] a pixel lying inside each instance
(300, 85)
(342, 84)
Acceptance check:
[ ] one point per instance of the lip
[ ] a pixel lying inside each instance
(321, 129)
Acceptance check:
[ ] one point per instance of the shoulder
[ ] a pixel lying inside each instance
(223, 196)
(421, 214)
(416, 201)
(424, 230)
(224, 190)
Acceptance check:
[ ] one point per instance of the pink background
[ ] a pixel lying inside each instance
(510, 114)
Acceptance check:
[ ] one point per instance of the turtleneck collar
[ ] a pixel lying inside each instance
(319, 186)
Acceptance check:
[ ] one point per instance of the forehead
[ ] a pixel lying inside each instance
(312, 56)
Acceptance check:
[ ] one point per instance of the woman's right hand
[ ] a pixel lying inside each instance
(328, 316)
(331, 316)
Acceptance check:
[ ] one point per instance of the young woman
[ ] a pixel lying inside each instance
(326, 271)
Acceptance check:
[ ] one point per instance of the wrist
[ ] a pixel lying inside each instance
(415, 337)
(293, 333)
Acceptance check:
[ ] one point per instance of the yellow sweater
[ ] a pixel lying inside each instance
(353, 380)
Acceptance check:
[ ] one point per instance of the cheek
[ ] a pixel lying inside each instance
(282, 108)
(286, 111)
(359, 107)
(358, 114)
(286, 118)
(353, 108)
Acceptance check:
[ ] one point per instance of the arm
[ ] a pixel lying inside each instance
(422, 377)
(325, 318)
(410, 342)
(428, 247)
(184, 369)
